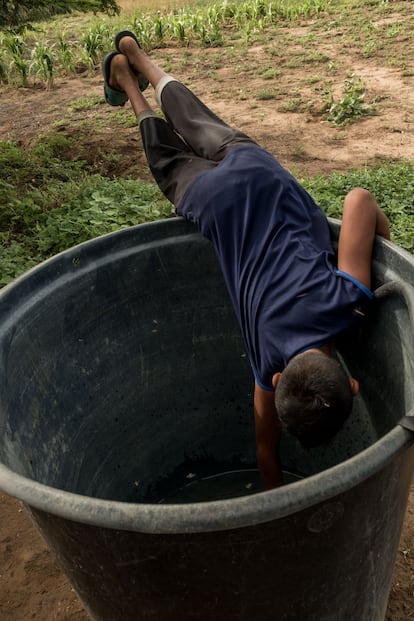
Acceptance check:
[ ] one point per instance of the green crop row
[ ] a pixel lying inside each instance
(40, 57)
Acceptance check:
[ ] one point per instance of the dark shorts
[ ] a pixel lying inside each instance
(189, 142)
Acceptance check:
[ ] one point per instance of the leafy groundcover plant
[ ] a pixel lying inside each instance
(49, 203)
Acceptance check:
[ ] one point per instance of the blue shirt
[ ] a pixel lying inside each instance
(273, 244)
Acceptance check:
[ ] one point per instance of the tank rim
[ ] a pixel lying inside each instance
(214, 515)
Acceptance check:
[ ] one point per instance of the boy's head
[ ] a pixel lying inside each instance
(313, 397)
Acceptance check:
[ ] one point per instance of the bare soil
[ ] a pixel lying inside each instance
(31, 584)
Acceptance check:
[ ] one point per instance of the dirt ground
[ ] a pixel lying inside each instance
(31, 585)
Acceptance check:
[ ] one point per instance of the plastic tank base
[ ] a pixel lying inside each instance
(123, 375)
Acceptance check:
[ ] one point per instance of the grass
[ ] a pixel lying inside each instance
(65, 45)
(86, 103)
(52, 198)
(352, 105)
(50, 203)
(53, 52)
(391, 183)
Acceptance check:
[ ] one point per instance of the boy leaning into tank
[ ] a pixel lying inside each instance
(291, 295)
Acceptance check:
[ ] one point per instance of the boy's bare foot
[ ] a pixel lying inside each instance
(121, 83)
(120, 73)
(141, 64)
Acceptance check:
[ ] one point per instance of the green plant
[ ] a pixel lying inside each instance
(15, 258)
(265, 95)
(53, 148)
(51, 198)
(392, 184)
(160, 29)
(295, 104)
(271, 73)
(179, 30)
(299, 151)
(3, 70)
(100, 206)
(16, 168)
(95, 41)
(16, 47)
(50, 202)
(143, 29)
(86, 103)
(351, 106)
(42, 62)
(65, 53)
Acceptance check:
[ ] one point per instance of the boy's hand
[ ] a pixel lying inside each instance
(268, 432)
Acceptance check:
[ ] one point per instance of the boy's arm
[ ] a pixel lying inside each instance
(268, 432)
(362, 219)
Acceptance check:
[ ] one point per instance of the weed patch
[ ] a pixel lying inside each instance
(392, 185)
(52, 198)
(351, 106)
(50, 204)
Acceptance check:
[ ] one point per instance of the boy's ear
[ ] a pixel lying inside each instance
(354, 386)
(275, 379)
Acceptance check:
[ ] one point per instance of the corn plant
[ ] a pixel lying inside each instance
(240, 17)
(3, 70)
(65, 53)
(254, 10)
(16, 47)
(143, 28)
(215, 14)
(247, 33)
(160, 27)
(208, 23)
(95, 41)
(179, 29)
(211, 35)
(202, 32)
(312, 7)
(42, 62)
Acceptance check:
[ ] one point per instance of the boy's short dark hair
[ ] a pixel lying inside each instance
(313, 398)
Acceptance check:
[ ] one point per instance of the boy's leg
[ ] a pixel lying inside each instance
(206, 134)
(172, 163)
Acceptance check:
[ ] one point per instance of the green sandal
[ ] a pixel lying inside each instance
(142, 80)
(112, 95)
